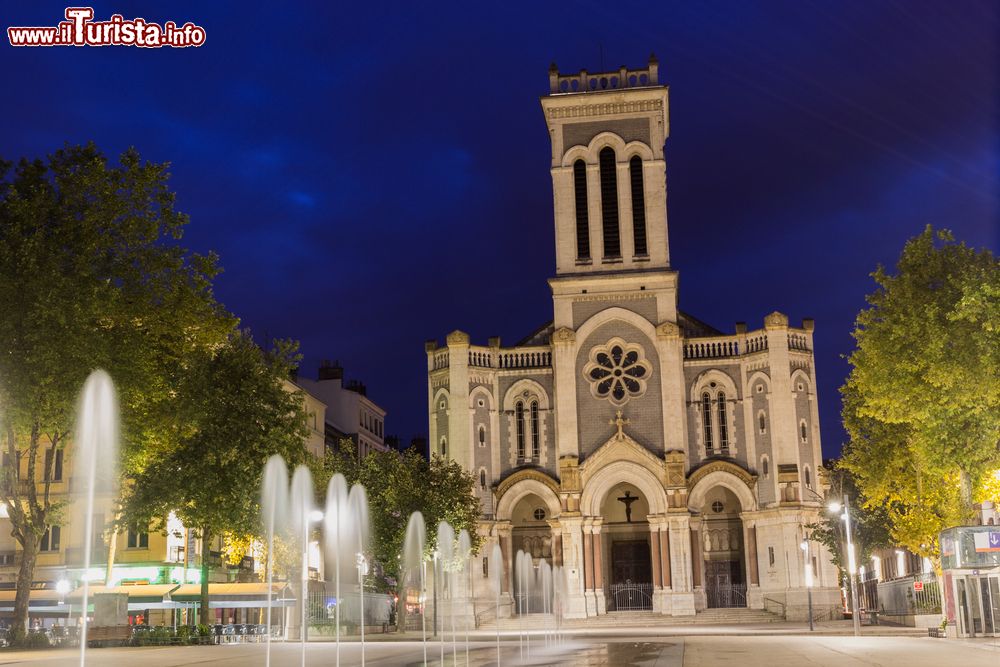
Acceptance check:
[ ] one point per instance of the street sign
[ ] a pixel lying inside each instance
(918, 586)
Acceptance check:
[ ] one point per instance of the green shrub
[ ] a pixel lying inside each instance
(204, 630)
(36, 640)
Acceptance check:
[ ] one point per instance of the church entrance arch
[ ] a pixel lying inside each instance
(722, 548)
(629, 572)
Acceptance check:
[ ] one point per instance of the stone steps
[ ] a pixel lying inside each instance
(542, 622)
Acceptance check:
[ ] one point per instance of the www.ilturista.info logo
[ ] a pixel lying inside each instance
(79, 29)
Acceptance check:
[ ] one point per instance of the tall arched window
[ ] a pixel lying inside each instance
(809, 482)
(723, 428)
(763, 423)
(638, 205)
(444, 446)
(802, 430)
(706, 414)
(582, 215)
(482, 435)
(534, 431)
(519, 427)
(482, 478)
(609, 204)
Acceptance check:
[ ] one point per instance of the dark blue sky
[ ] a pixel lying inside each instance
(373, 176)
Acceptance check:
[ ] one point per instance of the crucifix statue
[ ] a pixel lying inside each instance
(619, 422)
(628, 499)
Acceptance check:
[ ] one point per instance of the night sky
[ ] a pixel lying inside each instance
(376, 176)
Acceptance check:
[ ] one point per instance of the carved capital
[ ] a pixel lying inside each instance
(776, 320)
(569, 474)
(563, 335)
(674, 462)
(458, 338)
(668, 330)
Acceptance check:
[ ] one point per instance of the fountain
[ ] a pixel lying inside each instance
(496, 573)
(302, 508)
(97, 461)
(274, 511)
(415, 568)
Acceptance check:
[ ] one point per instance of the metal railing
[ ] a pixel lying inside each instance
(726, 596)
(630, 597)
(770, 604)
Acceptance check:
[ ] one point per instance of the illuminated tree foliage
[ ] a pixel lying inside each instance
(91, 276)
(922, 402)
(234, 412)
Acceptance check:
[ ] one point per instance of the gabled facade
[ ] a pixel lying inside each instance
(662, 463)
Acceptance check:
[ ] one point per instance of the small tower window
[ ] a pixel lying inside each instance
(638, 205)
(534, 431)
(519, 428)
(763, 423)
(765, 466)
(802, 431)
(723, 428)
(609, 204)
(582, 217)
(482, 478)
(444, 446)
(539, 514)
(808, 479)
(706, 414)
(482, 435)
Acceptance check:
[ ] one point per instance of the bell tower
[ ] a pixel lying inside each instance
(608, 173)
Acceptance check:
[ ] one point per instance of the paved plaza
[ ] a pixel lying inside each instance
(617, 649)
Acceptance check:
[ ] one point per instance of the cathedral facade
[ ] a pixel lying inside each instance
(663, 464)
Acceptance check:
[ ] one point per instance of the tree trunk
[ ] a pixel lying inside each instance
(25, 573)
(206, 542)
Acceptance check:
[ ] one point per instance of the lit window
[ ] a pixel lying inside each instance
(50, 539)
(137, 540)
(706, 412)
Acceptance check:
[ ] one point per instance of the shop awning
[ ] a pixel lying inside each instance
(136, 594)
(42, 600)
(239, 595)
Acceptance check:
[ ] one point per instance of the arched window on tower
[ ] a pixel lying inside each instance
(706, 419)
(809, 482)
(444, 446)
(609, 204)
(638, 206)
(482, 435)
(482, 478)
(723, 427)
(519, 428)
(582, 215)
(535, 454)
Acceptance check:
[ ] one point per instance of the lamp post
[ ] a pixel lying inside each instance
(62, 588)
(362, 571)
(809, 581)
(852, 568)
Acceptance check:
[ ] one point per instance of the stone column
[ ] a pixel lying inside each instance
(750, 542)
(588, 556)
(573, 557)
(654, 551)
(599, 597)
(564, 379)
(696, 564)
(555, 533)
(504, 532)
(664, 539)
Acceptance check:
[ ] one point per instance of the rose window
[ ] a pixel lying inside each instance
(617, 371)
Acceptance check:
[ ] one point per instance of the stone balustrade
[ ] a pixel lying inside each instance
(587, 82)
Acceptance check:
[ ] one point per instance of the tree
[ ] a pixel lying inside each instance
(870, 527)
(234, 412)
(91, 276)
(922, 401)
(399, 484)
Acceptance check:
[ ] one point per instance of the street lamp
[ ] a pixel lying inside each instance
(852, 568)
(362, 571)
(809, 581)
(62, 588)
